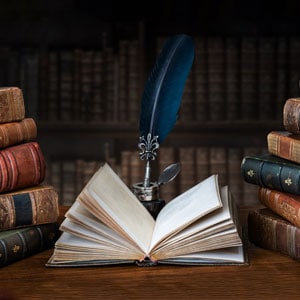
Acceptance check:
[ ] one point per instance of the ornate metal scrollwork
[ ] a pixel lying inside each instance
(148, 147)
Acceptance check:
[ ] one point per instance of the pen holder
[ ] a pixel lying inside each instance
(149, 197)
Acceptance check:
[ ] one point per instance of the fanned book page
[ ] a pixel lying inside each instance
(107, 224)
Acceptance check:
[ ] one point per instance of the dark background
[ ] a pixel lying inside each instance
(68, 22)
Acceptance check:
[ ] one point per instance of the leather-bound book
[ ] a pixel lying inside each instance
(291, 115)
(29, 206)
(284, 204)
(12, 107)
(17, 244)
(271, 171)
(284, 144)
(13, 133)
(269, 231)
(21, 166)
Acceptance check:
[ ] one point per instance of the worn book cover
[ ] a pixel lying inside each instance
(284, 204)
(17, 244)
(284, 144)
(29, 206)
(268, 230)
(21, 166)
(271, 171)
(13, 133)
(291, 115)
(12, 107)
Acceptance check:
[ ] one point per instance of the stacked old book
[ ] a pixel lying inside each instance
(28, 209)
(277, 175)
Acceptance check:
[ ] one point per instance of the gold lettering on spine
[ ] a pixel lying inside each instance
(288, 211)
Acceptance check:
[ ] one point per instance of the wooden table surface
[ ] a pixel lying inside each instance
(268, 275)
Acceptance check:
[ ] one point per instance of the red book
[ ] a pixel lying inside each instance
(284, 204)
(21, 166)
(269, 231)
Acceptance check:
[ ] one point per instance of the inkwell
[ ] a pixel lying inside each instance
(160, 105)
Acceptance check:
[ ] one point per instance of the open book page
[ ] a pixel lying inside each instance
(224, 239)
(226, 256)
(74, 248)
(213, 223)
(81, 223)
(185, 209)
(110, 200)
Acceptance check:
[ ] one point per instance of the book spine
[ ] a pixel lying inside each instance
(86, 84)
(235, 180)
(218, 164)
(187, 174)
(98, 86)
(248, 79)
(123, 81)
(53, 86)
(284, 178)
(66, 66)
(12, 133)
(285, 205)
(250, 190)
(281, 75)
(12, 104)
(29, 80)
(232, 84)
(265, 78)
(76, 85)
(274, 234)
(21, 166)
(291, 115)
(28, 207)
(294, 65)
(23, 243)
(284, 146)
(201, 79)
(133, 81)
(216, 76)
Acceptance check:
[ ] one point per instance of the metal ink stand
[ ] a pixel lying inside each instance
(148, 192)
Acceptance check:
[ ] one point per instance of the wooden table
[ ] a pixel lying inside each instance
(268, 275)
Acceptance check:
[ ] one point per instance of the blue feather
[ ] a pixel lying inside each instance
(164, 87)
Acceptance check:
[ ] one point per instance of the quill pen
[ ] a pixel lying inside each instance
(162, 96)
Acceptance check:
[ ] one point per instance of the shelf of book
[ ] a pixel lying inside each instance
(232, 126)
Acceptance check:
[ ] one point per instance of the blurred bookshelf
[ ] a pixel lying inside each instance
(82, 66)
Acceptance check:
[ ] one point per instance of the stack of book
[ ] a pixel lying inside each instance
(28, 209)
(277, 175)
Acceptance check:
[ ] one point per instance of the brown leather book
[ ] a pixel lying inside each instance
(13, 133)
(285, 145)
(30, 206)
(291, 115)
(12, 107)
(284, 204)
(269, 231)
(21, 166)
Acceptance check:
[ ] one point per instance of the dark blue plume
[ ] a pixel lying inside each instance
(164, 88)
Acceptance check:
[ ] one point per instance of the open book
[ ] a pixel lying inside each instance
(107, 224)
